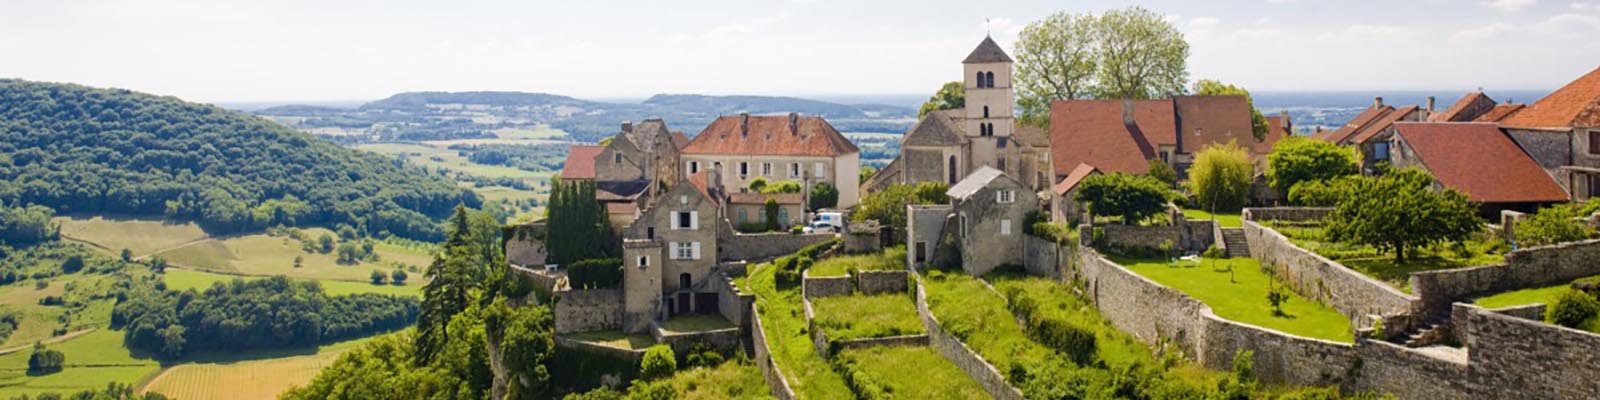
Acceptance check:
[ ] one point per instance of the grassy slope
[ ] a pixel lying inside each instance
(178, 279)
(1244, 299)
(733, 380)
(860, 316)
(1225, 219)
(142, 236)
(265, 255)
(1546, 295)
(92, 360)
(934, 376)
(893, 258)
(783, 320)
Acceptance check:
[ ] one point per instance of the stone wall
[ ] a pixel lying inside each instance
(724, 340)
(763, 246)
(633, 355)
(776, 382)
(1354, 294)
(1184, 235)
(1526, 268)
(734, 305)
(1407, 373)
(588, 310)
(903, 340)
(875, 282)
(1044, 258)
(814, 287)
(1139, 306)
(863, 237)
(1515, 357)
(963, 357)
(1291, 214)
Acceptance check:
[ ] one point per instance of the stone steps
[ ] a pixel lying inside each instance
(1432, 332)
(1235, 241)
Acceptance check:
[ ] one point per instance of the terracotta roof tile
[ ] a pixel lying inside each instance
(1500, 112)
(699, 181)
(679, 140)
(1278, 127)
(1072, 179)
(1379, 125)
(1349, 130)
(770, 135)
(1460, 154)
(1208, 120)
(580, 162)
(1576, 104)
(1093, 132)
(1468, 108)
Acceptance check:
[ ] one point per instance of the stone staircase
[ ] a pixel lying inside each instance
(1434, 331)
(1233, 239)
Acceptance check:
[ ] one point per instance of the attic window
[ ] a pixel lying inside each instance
(616, 158)
(1006, 196)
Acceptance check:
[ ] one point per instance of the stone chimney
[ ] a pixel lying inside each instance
(1430, 103)
(714, 180)
(1288, 126)
(744, 124)
(627, 126)
(794, 124)
(1377, 102)
(1127, 112)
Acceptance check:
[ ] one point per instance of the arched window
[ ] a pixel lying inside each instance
(986, 111)
(952, 170)
(989, 76)
(980, 79)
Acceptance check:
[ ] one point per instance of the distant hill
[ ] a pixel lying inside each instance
(412, 101)
(86, 150)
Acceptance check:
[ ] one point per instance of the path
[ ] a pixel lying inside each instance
(54, 340)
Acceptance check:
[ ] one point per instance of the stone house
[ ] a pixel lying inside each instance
(989, 209)
(1370, 131)
(669, 254)
(626, 168)
(1063, 208)
(947, 145)
(1458, 154)
(1562, 133)
(749, 209)
(1125, 135)
(806, 149)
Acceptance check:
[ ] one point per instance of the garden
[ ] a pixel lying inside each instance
(1481, 248)
(1240, 290)
(1574, 305)
(865, 316)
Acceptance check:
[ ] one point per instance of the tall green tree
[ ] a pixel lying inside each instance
(1220, 177)
(451, 282)
(1131, 197)
(1401, 210)
(1056, 60)
(1131, 53)
(951, 95)
(823, 195)
(1211, 87)
(1297, 159)
(581, 226)
(1142, 56)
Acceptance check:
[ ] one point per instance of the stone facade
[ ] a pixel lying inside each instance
(1289, 214)
(669, 254)
(875, 282)
(525, 245)
(1524, 268)
(1515, 357)
(755, 247)
(826, 286)
(1045, 258)
(925, 230)
(1184, 236)
(587, 310)
(843, 171)
(989, 220)
(1354, 294)
(863, 237)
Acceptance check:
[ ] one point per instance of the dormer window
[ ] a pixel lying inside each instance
(1006, 196)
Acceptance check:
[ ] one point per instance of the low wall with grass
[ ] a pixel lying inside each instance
(828, 347)
(587, 310)
(818, 287)
(1045, 258)
(1354, 294)
(1291, 214)
(1182, 236)
(762, 246)
(875, 282)
(1524, 268)
(951, 347)
(631, 355)
(732, 304)
(724, 340)
(1514, 357)
(776, 382)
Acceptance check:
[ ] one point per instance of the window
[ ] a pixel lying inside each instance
(649, 232)
(952, 170)
(616, 158)
(1005, 196)
(989, 76)
(1000, 144)
(820, 171)
(1005, 227)
(986, 111)
(1380, 150)
(766, 169)
(743, 216)
(643, 262)
(1000, 164)
(694, 167)
(744, 169)
(980, 79)
(922, 252)
(964, 226)
(682, 251)
(684, 281)
(783, 216)
(794, 170)
(1594, 185)
(686, 220)
(1594, 142)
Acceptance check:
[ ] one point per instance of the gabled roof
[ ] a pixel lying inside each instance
(700, 181)
(1208, 120)
(1468, 108)
(770, 135)
(1379, 125)
(1094, 132)
(1576, 104)
(1350, 129)
(580, 162)
(1480, 161)
(974, 182)
(1500, 112)
(987, 52)
(934, 129)
(679, 140)
(1072, 179)
(1278, 127)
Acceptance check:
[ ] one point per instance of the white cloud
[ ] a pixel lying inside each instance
(1509, 5)
(1559, 27)
(1582, 6)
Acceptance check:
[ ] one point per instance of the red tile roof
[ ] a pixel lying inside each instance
(1500, 112)
(700, 182)
(679, 140)
(1208, 120)
(1379, 125)
(1072, 179)
(1461, 156)
(1468, 108)
(1093, 132)
(580, 162)
(1349, 130)
(1278, 127)
(770, 135)
(1576, 104)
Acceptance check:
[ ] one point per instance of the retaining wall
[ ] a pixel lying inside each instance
(762, 246)
(815, 287)
(1354, 294)
(1043, 257)
(958, 353)
(875, 282)
(776, 383)
(1516, 357)
(734, 306)
(1526, 268)
(607, 351)
(1292, 214)
(587, 310)
(1184, 235)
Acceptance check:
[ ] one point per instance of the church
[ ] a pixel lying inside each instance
(947, 145)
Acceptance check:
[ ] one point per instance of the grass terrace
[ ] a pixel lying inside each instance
(1481, 250)
(695, 323)
(1242, 295)
(736, 379)
(1545, 295)
(783, 321)
(893, 258)
(889, 369)
(1227, 220)
(1057, 301)
(860, 316)
(615, 339)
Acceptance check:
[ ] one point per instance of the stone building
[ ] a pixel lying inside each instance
(1125, 135)
(750, 210)
(625, 169)
(1064, 208)
(669, 254)
(1370, 130)
(982, 225)
(947, 145)
(1458, 154)
(1562, 133)
(806, 149)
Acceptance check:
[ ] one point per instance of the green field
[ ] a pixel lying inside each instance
(265, 255)
(142, 236)
(436, 156)
(92, 361)
(783, 321)
(181, 279)
(40, 322)
(887, 367)
(1482, 249)
(890, 259)
(861, 316)
(1242, 295)
(247, 375)
(1225, 219)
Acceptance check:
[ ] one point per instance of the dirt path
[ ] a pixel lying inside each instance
(54, 340)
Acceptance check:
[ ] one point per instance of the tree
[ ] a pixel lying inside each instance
(1141, 56)
(299, 261)
(888, 206)
(1220, 177)
(1400, 210)
(1296, 159)
(348, 254)
(757, 184)
(584, 226)
(26, 225)
(1551, 225)
(1211, 87)
(325, 243)
(785, 186)
(1162, 172)
(659, 362)
(127, 255)
(378, 277)
(951, 95)
(72, 264)
(45, 360)
(823, 195)
(527, 343)
(866, 173)
(398, 277)
(771, 209)
(1131, 197)
(1056, 60)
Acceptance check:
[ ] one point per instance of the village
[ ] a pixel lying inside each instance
(761, 234)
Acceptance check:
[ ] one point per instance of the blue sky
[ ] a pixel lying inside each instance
(219, 50)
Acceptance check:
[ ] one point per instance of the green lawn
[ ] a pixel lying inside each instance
(1546, 295)
(615, 339)
(696, 323)
(892, 258)
(861, 316)
(92, 361)
(1366, 259)
(1227, 220)
(181, 279)
(783, 321)
(891, 369)
(267, 255)
(142, 236)
(1243, 297)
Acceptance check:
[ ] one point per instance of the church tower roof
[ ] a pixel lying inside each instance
(987, 52)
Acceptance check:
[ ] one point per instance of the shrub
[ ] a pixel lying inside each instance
(658, 362)
(1296, 160)
(1552, 225)
(378, 277)
(398, 277)
(45, 361)
(1131, 197)
(1573, 309)
(1277, 297)
(1214, 252)
(1220, 177)
(595, 273)
(1315, 193)
(823, 195)
(1076, 343)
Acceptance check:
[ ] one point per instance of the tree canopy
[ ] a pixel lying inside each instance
(951, 95)
(583, 224)
(27, 225)
(1398, 211)
(1131, 197)
(83, 150)
(1211, 87)
(1130, 53)
(1551, 225)
(1297, 159)
(1220, 177)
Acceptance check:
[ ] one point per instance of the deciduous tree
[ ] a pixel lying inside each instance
(1211, 87)
(1131, 197)
(1220, 177)
(1296, 159)
(1401, 210)
(950, 95)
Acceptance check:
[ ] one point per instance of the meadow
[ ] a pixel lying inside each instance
(92, 361)
(248, 375)
(1236, 289)
(181, 279)
(141, 236)
(267, 255)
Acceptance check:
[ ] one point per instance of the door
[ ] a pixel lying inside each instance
(922, 252)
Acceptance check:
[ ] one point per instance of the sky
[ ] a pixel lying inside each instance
(341, 50)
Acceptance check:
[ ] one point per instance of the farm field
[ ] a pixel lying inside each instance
(182, 279)
(142, 236)
(1243, 298)
(425, 154)
(92, 361)
(250, 375)
(266, 255)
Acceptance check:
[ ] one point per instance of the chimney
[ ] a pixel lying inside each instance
(1127, 112)
(1288, 126)
(1430, 103)
(1377, 102)
(794, 123)
(744, 124)
(627, 126)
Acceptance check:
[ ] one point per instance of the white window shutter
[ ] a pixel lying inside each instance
(672, 252)
(694, 220)
(998, 198)
(695, 250)
(1005, 227)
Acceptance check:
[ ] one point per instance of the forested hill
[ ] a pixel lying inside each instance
(80, 149)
